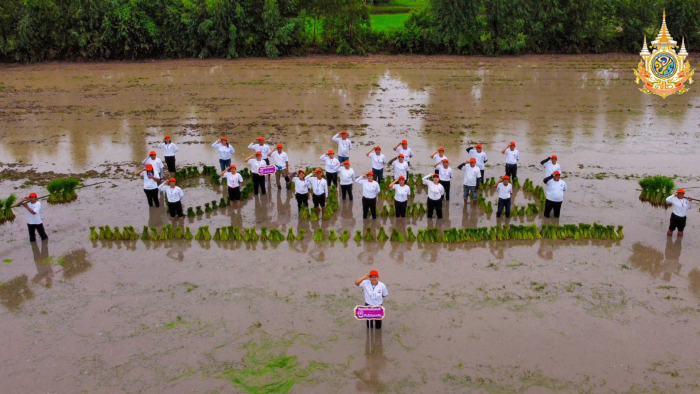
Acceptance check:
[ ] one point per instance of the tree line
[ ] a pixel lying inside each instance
(40, 30)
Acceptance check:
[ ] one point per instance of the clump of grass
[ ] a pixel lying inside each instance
(62, 190)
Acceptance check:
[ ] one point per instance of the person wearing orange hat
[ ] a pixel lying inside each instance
(550, 165)
(481, 159)
(344, 146)
(319, 189)
(435, 193)
(472, 173)
(150, 184)
(400, 166)
(445, 172)
(402, 191)
(555, 194)
(174, 196)
(402, 147)
(233, 181)
(378, 160)
(301, 188)
(255, 161)
(512, 157)
(34, 222)
(259, 145)
(332, 166)
(281, 162)
(375, 292)
(169, 150)
(681, 205)
(347, 177)
(505, 195)
(438, 156)
(225, 151)
(370, 191)
(157, 164)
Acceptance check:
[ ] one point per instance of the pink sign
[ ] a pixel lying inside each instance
(369, 312)
(266, 170)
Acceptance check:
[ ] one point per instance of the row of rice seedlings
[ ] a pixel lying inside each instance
(483, 204)
(529, 210)
(655, 190)
(539, 193)
(62, 190)
(186, 172)
(6, 213)
(582, 231)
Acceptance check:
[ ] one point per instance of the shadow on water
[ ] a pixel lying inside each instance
(74, 263)
(658, 265)
(375, 362)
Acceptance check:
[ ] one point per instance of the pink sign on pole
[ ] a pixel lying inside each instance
(266, 170)
(363, 312)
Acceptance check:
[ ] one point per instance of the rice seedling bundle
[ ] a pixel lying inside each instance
(481, 201)
(312, 215)
(275, 235)
(108, 233)
(332, 236)
(451, 235)
(145, 235)
(236, 234)
(304, 213)
(345, 236)
(328, 214)
(421, 236)
(300, 235)
(254, 237)
(655, 189)
(6, 213)
(290, 235)
(489, 208)
(619, 232)
(215, 178)
(93, 234)
(369, 236)
(382, 236)
(410, 210)
(62, 190)
(207, 208)
(190, 212)
(116, 235)
(410, 237)
(217, 235)
(415, 210)
(384, 212)
(421, 209)
(392, 210)
(318, 235)
(245, 173)
(263, 234)
(492, 182)
(155, 235)
(358, 236)
(199, 210)
(179, 234)
(396, 236)
(188, 233)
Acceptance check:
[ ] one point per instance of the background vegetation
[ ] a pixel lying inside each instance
(40, 30)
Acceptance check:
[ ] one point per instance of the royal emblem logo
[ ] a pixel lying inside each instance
(664, 71)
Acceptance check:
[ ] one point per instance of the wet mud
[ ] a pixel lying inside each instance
(210, 316)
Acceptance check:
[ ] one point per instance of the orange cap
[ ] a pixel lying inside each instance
(152, 153)
(346, 162)
(172, 180)
(330, 151)
(472, 160)
(401, 155)
(436, 176)
(32, 194)
(506, 177)
(512, 143)
(479, 146)
(556, 173)
(441, 149)
(404, 142)
(258, 153)
(343, 132)
(554, 156)
(302, 171)
(370, 173)
(261, 138)
(319, 170)
(373, 273)
(445, 161)
(280, 146)
(167, 136)
(233, 166)
(402, 177)
(377, 147)
(149, 167)
(224, 139)
(681, 191)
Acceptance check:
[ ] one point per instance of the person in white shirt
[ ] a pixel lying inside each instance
(512, 157)
(233, 181)
(174, 197)
(34, 222)
(347, 177)
(402, 191)
(681, 205)
(344, 146)
(435, 193)
(370, 191)
(550, 165)
(225, 151)
(375, 292)
(156, 162)
(319, 187)
(281, 163)
(400, 166)
(259, 145)
(378, 161)
(258, 180)
(150, 184)
(472, 173)
(555, 194)
(445, 172)
(438, 156)
(169, 150)
(332, 166)
(481, 160)
(301, 188)
(505, 195)
(402, 147)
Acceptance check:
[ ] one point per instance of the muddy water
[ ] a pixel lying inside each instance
(518, 316)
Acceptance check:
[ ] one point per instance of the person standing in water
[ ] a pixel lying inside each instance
(301, 188)
(169, 150)
(332, 166)
(157, 164)
(225, 151)
(471, 179)
(34, 222)
(259, 145)
(554, 193)
(400, 166)
(370, 191)
(255, 164)
(512, 157)
(347, 177)
(402, 147)
(435, 193)
(438, 156)
(681, 205)
(150, 184)
(344, 146)
(233, 181)
(445, 172)
(319, 186)
(281, 161)
(402, 191)
(375, 292)
(481, 159)
(550, 165)
(378, 161)
(505, 195)
(174, 197)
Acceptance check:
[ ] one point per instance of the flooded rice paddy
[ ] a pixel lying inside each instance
(535, 316)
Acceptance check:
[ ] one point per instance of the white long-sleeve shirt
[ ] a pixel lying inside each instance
(374, 295)
(471, 175)
(148, 183)
(435, 191)
(512, 156)
(255, 165)
(437, 158)
(279, 159)
(173, 194)
(407, 153)
(378, 161)
(156, 163)
(402, 192)
(481, 158)
(233, 181)
(504, 192)
(680, 207)
(224, 152)
(344, 145)
(264, 149)
(34, 218)
(332, 165)
(400, 169)
(555, 190)
(301, 186)
(549, 168)
(319, 186)
(369, 189)
(445, 173)
(346, 176)
(168, 149)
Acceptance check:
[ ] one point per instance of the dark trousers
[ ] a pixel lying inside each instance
(40, 228)
(677, 222)
(503, 203)
(373, 323)
(369, 204)
(152, 195)
(347, 189)
(512, 171)
(446, 186)
(170, 162)
(400, 207)
(378, 174)
(548, 205)
(175, 208)
(480, 180)
(302, 199)
(224, 164)
(332, 178)
(258, 183)
(435, 205)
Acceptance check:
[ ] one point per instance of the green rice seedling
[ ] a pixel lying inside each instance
(263, 234)
(190, 212)
(6, 205)
(145, 235)
(421, 236)
(206, 233)
(62, 190)
(528, 210)
(207, 208)
(236, 234)
(489, 208)
(345, 236)
(179, 234)
(126, 233)
(619, 232)
(199, 210)
(117, 235)
(521, 212)
(421, 209)
(410, 237)
(396, 236)
(358, 236)
(93, 234)
(312, 215)
(409, 210)
(611, 232)
(392, 210)
(481, 201)
(199, 236)
(246, 235)
(108, 233)
(254, 237)
(133, 234)
(318, 235)
(382, 236)
(369, 237)
(290, 235)
(278, 236)
(328, 214)
(304, 213)
(332, 236)
(188, 233)
(222, 203)
(384, 212)
(300, 235)
(217, 235)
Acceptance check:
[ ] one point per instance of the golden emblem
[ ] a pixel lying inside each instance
(664, 71)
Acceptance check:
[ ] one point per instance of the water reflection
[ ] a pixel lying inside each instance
(658, 265)
(375, 362)
(74, 263)
(44, 270)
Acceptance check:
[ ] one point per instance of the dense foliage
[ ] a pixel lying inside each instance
(39, 30)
